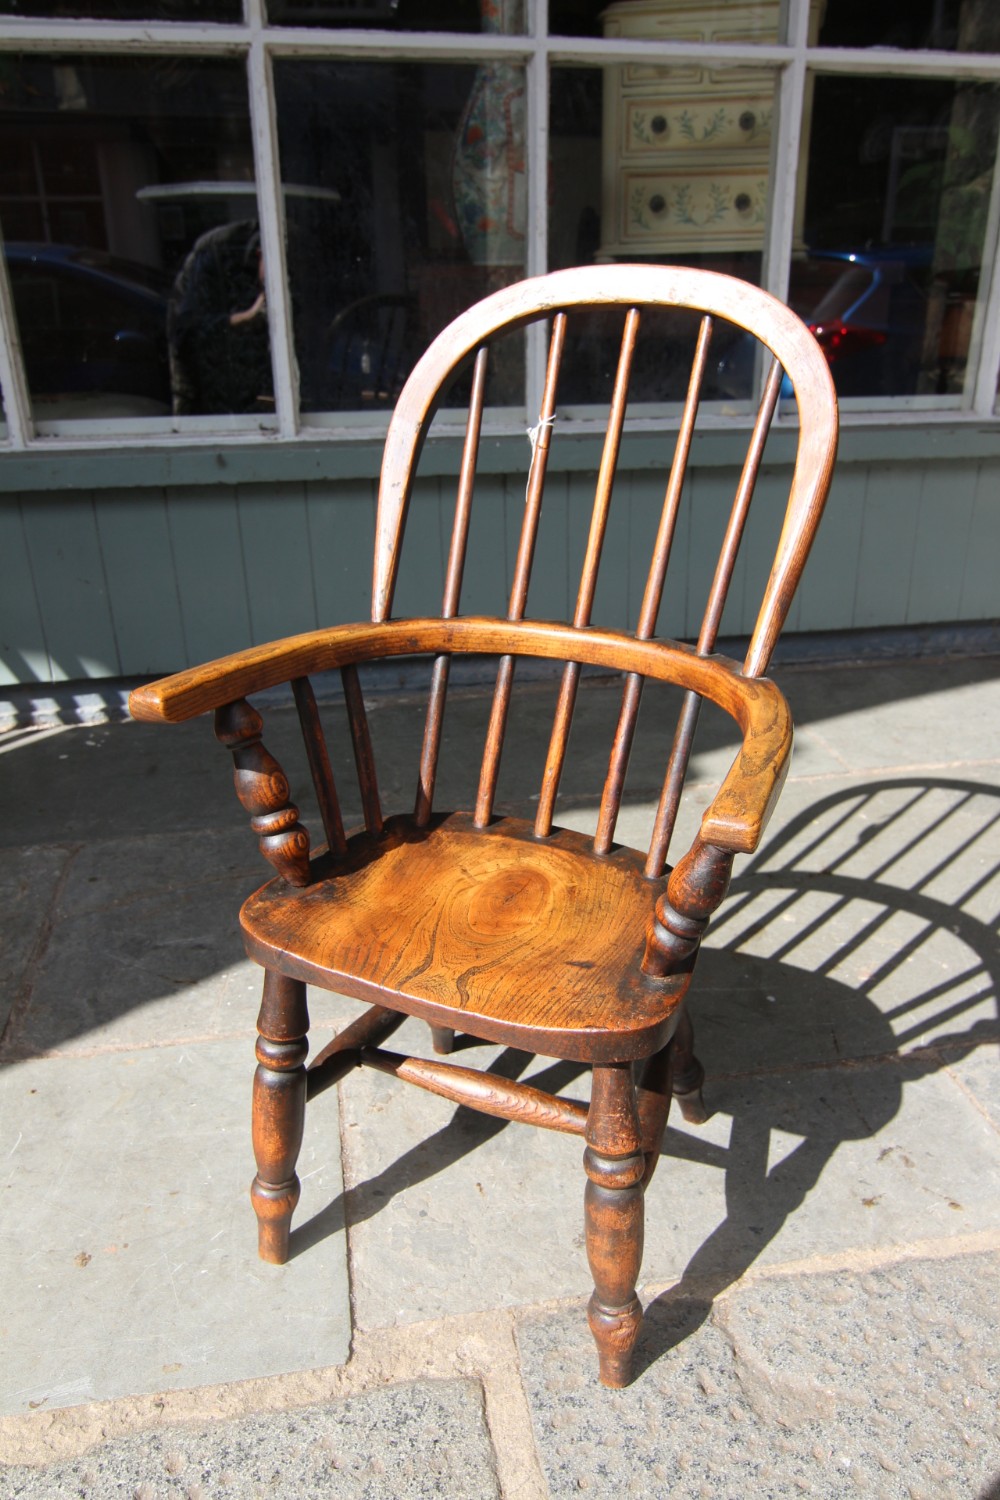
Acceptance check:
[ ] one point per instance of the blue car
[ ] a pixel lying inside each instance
(93, 330)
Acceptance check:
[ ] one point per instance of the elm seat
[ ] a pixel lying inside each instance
(502, 929)
(497, 906)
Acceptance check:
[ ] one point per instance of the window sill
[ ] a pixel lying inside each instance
(321, 456)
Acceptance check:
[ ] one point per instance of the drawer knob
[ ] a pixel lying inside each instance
(658, 124)
(748, 120)
(742, 203)
(657, 203)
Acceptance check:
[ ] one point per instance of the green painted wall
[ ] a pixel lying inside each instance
(130, 580)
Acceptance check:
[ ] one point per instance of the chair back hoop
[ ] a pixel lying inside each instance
(628, 287)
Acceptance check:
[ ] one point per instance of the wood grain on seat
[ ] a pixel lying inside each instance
(536, 943)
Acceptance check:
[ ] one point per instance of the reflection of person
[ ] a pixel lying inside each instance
(220, 358)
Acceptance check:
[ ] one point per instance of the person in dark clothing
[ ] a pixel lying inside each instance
(220, 355)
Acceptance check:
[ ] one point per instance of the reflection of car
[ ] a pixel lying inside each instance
(868, 310)
(92, 330)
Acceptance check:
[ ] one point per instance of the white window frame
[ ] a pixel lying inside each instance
(258, 44)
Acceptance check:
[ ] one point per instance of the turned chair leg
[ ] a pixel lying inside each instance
(615, 1166)
(279, 1109)
(689, 1075)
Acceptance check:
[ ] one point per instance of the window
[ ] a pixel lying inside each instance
(248, 218)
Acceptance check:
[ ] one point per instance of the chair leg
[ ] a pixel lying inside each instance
(279, 1108)
(443, 1038)
(689, 1075)
(654, 1092)
(615, 1165)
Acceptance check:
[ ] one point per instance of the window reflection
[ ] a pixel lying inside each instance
(419, 209)
(674, 20)
(942, 25)
(402, 15)
(111, 172)
(899, 181)
(127, 10)
(678, 172)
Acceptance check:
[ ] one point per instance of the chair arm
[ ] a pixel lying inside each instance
(198, 690)
(737, 815)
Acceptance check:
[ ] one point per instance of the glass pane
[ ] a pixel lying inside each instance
(505, 16)
(418, 209)
(670, 20)
(129, 220)
(948, 25)
(899, 180)
(127, 10)
(668, 166)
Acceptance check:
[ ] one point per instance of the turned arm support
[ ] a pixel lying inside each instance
(696, 886)
(262, 787)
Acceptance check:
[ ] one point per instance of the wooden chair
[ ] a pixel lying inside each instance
(510, 931)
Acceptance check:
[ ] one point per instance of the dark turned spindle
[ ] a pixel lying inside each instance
(262, 787)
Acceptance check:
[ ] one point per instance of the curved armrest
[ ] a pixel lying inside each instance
(734, 820)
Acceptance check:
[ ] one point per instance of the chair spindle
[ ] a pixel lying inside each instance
(680, 753)
(319, 764)
(588, 576)
(621, 749)
(541, 438)
(452, 592)
(364, 757)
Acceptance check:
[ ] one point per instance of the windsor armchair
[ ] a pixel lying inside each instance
(508, 930)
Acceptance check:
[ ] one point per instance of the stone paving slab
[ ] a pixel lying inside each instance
(144, 946)
(880, 1383)
(791, 1164)
(427, 1438)
(903, 714)
(128, 1233)
(27, 879)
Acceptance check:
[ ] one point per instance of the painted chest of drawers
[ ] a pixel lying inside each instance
(686, 150)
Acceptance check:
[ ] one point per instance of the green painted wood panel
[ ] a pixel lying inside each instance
(888, 538)
(549, 593)
(980, 586)
(614, 606)
(211, 580)
(767, 512)
(68, 568)
(24, 654)
(341, 525)
(420, 582)
(281, 591)
(829, 582)
(711, 502)
(489, 560)
(150, 580)
(142, 582)
(942, 530)
(647, 493)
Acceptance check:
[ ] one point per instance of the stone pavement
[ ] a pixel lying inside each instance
(821, 1258)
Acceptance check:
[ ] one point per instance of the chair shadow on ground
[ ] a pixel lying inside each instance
(857, 953)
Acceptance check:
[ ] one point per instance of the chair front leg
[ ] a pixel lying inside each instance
(615, 1166)
(279, 1109)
